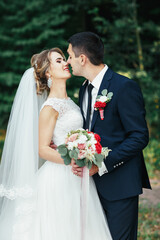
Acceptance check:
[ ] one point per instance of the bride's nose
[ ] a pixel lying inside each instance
(66, 64)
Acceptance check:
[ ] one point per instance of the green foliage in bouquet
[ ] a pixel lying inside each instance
(67, 156)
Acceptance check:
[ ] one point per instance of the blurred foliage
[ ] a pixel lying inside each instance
(152, 155)
(149, 222)
(130, 31)
(2, 137)
(27, 27)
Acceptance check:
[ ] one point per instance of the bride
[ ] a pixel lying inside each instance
(41, 200)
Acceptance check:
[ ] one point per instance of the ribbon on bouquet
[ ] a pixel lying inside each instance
(84, 202)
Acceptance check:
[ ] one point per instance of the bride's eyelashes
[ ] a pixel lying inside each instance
(59, 61)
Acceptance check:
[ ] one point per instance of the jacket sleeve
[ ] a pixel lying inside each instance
(131, 110)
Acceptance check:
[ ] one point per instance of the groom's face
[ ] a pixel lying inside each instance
(74, 61)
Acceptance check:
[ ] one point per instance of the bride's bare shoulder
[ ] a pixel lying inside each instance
(47, 113)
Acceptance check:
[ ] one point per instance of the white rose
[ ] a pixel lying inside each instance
(92, 138)
(103, 98)
(71, 145)
(91, 142)
(82, 139)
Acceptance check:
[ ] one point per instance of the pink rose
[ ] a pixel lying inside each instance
(81, 146)
(82, 154)
(73, 137)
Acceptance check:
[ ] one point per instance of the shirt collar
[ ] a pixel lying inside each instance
(98, 79)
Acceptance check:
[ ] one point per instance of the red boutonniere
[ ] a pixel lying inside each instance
(101, 102)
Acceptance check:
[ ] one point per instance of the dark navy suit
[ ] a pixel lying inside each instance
(124, 130)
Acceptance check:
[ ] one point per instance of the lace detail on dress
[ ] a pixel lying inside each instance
(13, 193)
(22, 228)
(24, 219)
(60, 105)
(69, 118)
(25, 209)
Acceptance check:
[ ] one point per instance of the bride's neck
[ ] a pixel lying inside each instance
(58, 90)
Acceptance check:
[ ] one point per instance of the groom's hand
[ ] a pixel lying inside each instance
(76, 169)
(94, 169)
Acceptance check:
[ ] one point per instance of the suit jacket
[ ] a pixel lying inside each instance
(124, 131)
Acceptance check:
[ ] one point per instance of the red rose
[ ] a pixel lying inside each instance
(97, 137)
(98, 147)
(100, 104)
(89, 132)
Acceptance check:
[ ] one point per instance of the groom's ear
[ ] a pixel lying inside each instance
(83, 59)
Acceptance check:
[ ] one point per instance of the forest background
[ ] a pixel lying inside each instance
(130, 30)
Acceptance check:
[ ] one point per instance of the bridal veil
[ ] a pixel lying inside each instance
(20, 160)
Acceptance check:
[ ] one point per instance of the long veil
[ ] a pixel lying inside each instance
(20, 160)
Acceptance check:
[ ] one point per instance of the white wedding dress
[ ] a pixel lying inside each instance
(57, 205)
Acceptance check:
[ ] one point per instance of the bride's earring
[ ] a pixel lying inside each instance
(49, 82)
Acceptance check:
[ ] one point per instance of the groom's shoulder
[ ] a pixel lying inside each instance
(120, 78)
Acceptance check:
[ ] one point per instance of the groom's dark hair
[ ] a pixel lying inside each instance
(89, 44)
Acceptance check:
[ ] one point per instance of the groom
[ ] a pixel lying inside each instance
(124, 130)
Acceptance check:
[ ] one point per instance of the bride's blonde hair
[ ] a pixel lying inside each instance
(41, 63)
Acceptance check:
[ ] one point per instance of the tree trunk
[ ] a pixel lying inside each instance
(139, 46)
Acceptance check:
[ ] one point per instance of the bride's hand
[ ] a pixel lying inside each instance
(76, 169)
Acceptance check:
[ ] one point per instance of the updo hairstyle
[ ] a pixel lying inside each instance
(41, 63)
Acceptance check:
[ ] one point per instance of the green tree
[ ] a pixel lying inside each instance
(133, 48)
(27, 27)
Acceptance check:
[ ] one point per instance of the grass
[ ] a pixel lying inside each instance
(149, 222)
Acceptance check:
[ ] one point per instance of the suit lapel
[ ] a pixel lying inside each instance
(104, 85)
(81, 94)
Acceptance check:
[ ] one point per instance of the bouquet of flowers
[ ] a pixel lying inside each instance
(84, 147)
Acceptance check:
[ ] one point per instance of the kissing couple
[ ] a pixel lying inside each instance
(42, 200)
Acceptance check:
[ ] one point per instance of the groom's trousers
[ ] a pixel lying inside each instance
(122, 217)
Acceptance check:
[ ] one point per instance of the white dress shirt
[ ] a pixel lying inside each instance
(96, 85)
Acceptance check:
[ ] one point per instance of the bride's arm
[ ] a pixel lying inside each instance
(47, 121)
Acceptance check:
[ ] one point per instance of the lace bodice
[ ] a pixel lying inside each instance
(69, 117)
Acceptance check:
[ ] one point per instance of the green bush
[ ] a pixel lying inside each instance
(1, 147)
(152, 154)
